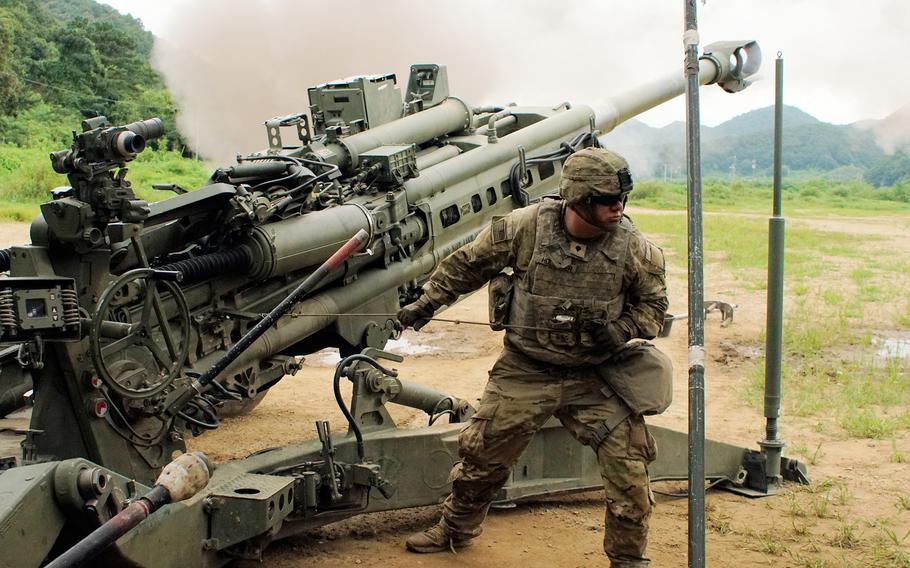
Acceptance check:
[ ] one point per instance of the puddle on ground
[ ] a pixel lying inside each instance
(330, 357)
(405, 347)
(892, 346)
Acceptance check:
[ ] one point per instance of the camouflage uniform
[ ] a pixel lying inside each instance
(616, 277)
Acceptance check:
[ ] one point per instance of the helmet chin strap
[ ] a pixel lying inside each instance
(583, 212)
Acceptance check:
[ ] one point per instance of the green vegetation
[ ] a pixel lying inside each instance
(26, 178)
(826, 531)
(63, 57)
(799, 195)
(832, 369)
(807, 147)
(61, 60)
(889, 170)
(730, 234)
(741, 148)
(840, 288)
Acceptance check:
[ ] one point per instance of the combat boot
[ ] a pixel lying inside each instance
(436, 539)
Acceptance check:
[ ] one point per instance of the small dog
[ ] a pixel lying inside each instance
(725, 309)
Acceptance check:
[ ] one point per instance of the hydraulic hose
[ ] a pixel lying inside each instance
(336, 387)
(179, 480)
(565, 149)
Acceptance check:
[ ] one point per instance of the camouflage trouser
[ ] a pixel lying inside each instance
(519, 397)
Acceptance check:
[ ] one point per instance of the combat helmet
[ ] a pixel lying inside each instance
(593, 172)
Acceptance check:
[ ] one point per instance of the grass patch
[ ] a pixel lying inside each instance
(866, 400)
(794, 506)
(769, 542)
(812, 457)
(868, 424)
(26, 178)
(830, 369)
(742, 245)
(816, 196)
(821, 507)
(837, 292)
(896, 456)
(806, 562)
(903, 319)
(846, 536)
(888, 548)
(719, 523)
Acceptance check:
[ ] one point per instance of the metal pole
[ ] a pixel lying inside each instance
(771, 446)
(696, 299)
(778, 128)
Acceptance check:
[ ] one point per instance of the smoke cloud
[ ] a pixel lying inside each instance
(893, 132)
(234, 64)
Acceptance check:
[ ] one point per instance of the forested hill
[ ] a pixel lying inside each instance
(63, 59)
(742, 147)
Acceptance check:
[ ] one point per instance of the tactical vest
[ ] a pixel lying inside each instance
(569, 287)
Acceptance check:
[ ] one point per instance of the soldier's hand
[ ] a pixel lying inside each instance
(611, 335)
(416, 314)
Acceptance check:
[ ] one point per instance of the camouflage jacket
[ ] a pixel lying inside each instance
(638, 294)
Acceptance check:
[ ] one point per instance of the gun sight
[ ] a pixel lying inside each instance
(101, 146)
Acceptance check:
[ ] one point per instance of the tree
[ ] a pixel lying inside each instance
(889, 170)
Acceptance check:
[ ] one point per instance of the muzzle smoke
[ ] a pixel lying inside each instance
(232, 65)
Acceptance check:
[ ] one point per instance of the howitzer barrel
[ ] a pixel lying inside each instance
(362, 238)
(725, 63)
(436, 156)
(323, 307)
(292, 244)
(728, 64)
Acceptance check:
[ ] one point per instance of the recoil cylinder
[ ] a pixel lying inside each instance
(210, 265)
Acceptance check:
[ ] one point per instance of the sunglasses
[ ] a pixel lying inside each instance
(608, 200)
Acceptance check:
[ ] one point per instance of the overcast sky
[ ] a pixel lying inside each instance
(248, 60)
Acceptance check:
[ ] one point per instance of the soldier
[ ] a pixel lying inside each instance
(584, 284)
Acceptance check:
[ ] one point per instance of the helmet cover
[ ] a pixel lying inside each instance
(594, 172)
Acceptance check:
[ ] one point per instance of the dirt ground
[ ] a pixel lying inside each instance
(835, 522)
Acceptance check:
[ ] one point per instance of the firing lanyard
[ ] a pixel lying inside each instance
(445, 320)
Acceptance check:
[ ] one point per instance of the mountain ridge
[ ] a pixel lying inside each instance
(743, 145)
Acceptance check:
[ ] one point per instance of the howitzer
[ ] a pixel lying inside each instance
(121, 309)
